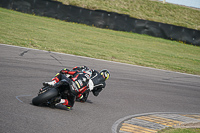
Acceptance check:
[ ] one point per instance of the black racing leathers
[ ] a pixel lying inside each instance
(98, 81)
(78, 84)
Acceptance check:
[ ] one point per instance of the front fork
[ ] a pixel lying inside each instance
(43, 90)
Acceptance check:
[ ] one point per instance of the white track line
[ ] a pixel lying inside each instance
(21, 96)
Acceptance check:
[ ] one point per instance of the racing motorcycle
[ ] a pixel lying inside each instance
(48, 94)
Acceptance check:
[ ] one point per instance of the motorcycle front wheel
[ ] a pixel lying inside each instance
(51, 93)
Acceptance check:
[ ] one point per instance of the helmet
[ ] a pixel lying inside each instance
(105, 73)
(88, 71)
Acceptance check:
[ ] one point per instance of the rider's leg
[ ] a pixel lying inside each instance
(69, 103)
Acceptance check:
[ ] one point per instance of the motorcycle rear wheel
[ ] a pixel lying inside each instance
(44, 97)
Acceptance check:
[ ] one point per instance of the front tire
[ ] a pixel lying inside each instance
(51, 93)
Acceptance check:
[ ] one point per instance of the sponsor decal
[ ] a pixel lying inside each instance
(80, 82)
(74, 87)
(77, 84)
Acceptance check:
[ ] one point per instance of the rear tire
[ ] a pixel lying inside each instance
(51, 93)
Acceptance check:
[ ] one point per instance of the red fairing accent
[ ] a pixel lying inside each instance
(79, 95)
(72, 72)
(75, 77)
(83, 89)
(75, 67)
(56, 79)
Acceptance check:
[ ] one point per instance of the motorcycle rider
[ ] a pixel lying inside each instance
(98, 82)
(78, 84)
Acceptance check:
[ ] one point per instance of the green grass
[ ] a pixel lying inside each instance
(54, 35)
(180, 130)
(145, 9)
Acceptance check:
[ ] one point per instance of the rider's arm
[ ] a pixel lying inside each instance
(96, 91)
(98, 88)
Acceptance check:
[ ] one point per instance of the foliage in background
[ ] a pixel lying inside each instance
(145, 9)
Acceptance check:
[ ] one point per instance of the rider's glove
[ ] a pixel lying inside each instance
(64, 71)
(80, 96)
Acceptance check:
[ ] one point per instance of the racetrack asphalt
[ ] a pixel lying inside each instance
(137, 99)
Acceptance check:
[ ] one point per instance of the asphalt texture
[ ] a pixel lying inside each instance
(133, 95)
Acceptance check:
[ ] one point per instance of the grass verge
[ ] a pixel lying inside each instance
(180, 130)
(65, 37)
(145, 9)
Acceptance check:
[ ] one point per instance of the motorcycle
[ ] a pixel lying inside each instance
(48, 94)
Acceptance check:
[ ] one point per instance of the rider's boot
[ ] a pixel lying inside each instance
(52, 83)
(65, 102)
